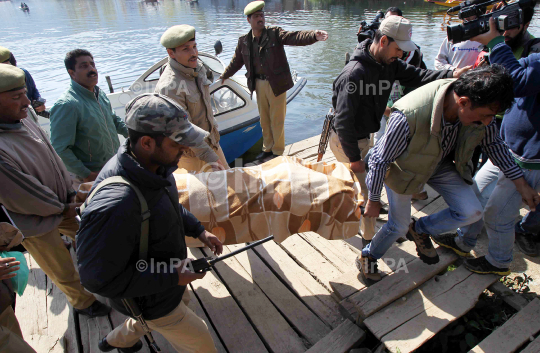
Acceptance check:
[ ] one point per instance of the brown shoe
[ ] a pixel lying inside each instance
(368, 267)
(424, 247)
(420, 196)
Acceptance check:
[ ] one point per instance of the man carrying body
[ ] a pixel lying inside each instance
(36, 190)
(84, 127)
(186, 81)
(268, 72)
(361, 93)
(522, 43)
(110, 234)
(430, 138)
(520, 130)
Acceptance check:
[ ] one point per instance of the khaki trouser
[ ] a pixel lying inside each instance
(184, 330)
(272, 110)
(54, 259)
(367, 225)
(11, 339)
(194, 164)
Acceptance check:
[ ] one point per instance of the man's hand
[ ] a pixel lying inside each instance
(487, 37)
(185, 276)
(40, 108)
(7, 267)
(373, 208)
(459, 72)
(71, 213)
(321, 35)
(212, 242)
(91, 177)
(358, 167)
(528, 194)
(387, 112)
(222, 80)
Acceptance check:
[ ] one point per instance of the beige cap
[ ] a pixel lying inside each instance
(400, 30)
(253, 7)
(177, 36)
(4, 54)
(11, 78)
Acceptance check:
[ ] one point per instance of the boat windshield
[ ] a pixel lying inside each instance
(213, 63)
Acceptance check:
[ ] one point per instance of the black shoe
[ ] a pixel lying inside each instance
(424, 247)
(526, 243)
(482, 266)
(96, 309)
(263, 155)
(104, 346)
(449, 241)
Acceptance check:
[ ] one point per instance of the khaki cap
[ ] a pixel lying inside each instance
(4, 54)
(400, 30)
(253, 7)
(11, 78)
(177, 36)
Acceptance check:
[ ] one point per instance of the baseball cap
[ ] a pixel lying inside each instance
(400, 30)
(154, 113)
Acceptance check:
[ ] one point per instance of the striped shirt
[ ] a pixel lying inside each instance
(397, 138)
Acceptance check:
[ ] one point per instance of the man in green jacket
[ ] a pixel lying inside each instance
(262, 52)
(430, 139)
(84, 127)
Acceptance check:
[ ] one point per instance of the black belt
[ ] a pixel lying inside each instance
(261, 77)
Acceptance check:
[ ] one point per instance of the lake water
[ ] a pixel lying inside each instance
(123, 36)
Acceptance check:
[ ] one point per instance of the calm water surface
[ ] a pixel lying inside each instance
(123, 36)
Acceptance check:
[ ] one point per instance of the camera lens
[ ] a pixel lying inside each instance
(454, 33)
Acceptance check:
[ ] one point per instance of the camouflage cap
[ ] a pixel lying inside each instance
(154, 113)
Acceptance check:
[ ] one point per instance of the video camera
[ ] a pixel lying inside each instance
(507, 17)
(368, 31)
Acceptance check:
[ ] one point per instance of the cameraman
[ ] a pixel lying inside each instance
(521, 132)
(361, 91)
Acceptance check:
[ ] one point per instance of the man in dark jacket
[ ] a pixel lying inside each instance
(361, 92)
(109, 237)
(268, 72)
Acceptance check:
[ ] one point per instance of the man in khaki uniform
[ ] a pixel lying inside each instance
(36, 191)
(262, 52)
(185, 80)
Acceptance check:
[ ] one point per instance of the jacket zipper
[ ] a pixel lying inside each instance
(105, 120)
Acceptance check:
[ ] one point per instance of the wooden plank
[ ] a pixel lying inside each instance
(92, 331)
(514, 332)
(510, 297)
(294, 148)
(60, 322)
(197, 309)
(395, 258)
(430, 309)
(31, 310)
(533, 347)
(396, 285)
(268, 321)
(311, 327)
(340, 340)
(311, 260)
(230, 322)
(312, 293)
(335, 251)
(437, 205)
(414, 302)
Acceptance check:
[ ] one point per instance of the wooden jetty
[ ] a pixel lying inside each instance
(304, 294)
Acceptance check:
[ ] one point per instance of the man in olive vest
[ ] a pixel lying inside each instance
(430, 139)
